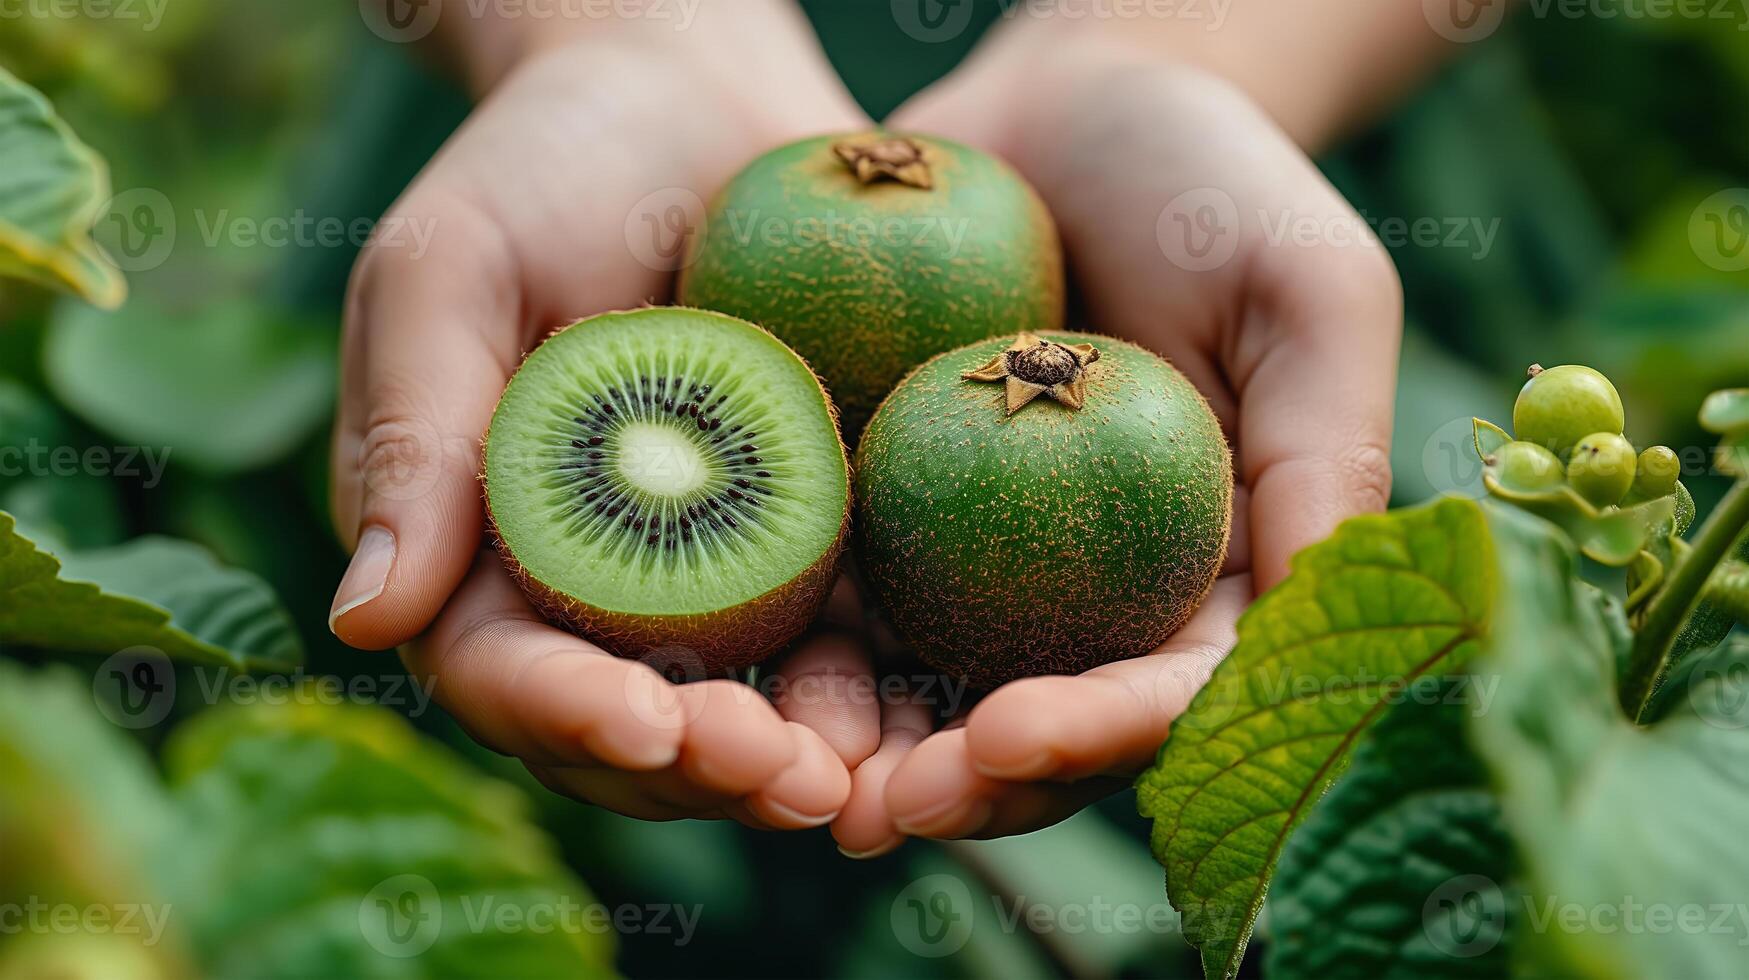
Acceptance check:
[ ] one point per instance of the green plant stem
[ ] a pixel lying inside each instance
(1680, 597)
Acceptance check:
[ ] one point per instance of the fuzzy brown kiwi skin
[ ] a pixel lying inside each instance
(707, 645)
(715, 644)
(920, 540)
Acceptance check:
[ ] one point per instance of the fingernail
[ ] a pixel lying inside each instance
(881, 850)
(1034, 768)
(368, 574)
(960, 818)
(642, 755)
(801, 820)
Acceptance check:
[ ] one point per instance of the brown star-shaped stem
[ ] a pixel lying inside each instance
(878, 156)
(1031, 367)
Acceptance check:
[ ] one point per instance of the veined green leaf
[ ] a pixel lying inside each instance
(1386, 600)
(1404, 869)
(334, 841)
(52, 187)
(1631, 837)
(297, 839)
(152, 592)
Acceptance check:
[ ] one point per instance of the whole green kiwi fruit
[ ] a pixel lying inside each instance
(1041, 505)
(1526, 467)
(671, 484)
(873, 252)
(1559, 406)
(1602, 468)
(1656, 473)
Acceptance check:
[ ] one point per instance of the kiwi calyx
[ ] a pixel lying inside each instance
(880, 157)
(1031, 367)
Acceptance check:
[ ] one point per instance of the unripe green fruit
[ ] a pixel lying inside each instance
(1561, 405)
(1602, 468)
(1657, 473)
(870, 254)
(1042, 505)
(1526, 467)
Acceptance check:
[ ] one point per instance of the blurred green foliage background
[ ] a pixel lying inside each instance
(1589, 145)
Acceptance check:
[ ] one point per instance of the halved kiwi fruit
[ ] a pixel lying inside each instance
(670, 483)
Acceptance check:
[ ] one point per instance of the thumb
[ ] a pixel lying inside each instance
(431, 339)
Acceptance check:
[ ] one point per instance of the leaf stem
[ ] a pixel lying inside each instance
(1680, 597)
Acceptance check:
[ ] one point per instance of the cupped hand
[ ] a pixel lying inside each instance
(550, 204)
(1196, 228)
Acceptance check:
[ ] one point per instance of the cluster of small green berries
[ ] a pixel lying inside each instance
(1568, 426)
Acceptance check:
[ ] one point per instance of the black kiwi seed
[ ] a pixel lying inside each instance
(702, 413)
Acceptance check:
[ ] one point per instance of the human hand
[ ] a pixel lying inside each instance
(1171, 188)
(533, 212)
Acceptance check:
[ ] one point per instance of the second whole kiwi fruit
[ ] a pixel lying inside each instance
(872, 252)
(1042, 504)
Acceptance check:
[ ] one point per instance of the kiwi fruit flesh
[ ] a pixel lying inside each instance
(1041, 505)
(670, 483)
(869, 253)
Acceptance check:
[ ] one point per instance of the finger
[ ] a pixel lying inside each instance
(431, 341)
(809, 793)
(1111, 719)
(1021, 808)
(736, 743)
(539, 693)
(620, 792)
(936, 792)
(828, 685)
(864, 828)
(947, 800)
(1317, 400)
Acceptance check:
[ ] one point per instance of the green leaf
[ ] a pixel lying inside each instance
(1489, 437)
(153, 592)
(286, 823)
(52, 189)
(80, 807)
(1712, 621)
(1629, 836)
(1386, 600)
(1405, 868)
(335, 841)
(1727, 413)
(1708, 682)
(230, 387)
(1612, 536)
